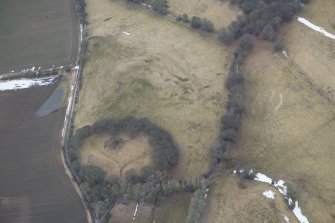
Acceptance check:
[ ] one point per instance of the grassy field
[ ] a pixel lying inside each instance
(140, 64)
(134, 153)
(34, 186)
(221, 13)
(173, 209)
(312, 52)
(235, 201)
(288, 133)
(37, 33)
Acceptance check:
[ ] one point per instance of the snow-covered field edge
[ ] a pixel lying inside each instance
(24, 83)
(282, 189)
(316, 28)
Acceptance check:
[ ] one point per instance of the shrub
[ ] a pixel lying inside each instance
(130, 176)
(185, 18)
(196, 22)
(146, 172)
(207, 25)
(179, 18)
(161, 6)
(268, 33)
(230, 122)
(278, 45)
(229, 135)
(234, 79)
(226, 37)
(92, 175)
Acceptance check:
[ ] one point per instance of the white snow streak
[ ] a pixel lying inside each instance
(263, 178)
(286, 218)
(81, 33)
(25, 83)
(135, 212)
(269, 194)
(316, 28)
(126, 33)
(282, 188)
(146, 5)
(298, 214)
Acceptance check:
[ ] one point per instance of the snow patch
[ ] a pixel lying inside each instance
(269, 194)
(282, 188)
(286, 218)
(81, 33)
(206, 193)
(263, 178)
(284, 52)
(25, 83)
(146, 5)
(126, 33)
(316, 28)
(135, 212)
(297, 212)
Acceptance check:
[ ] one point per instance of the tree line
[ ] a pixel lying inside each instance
(99, 191)
(261, 17)
(165, 150)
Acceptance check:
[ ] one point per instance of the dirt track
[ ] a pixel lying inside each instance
(34, 187)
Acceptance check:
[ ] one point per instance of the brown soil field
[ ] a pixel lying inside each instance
(133, 154)
(141, 64)
(37, 33)
(34, 187)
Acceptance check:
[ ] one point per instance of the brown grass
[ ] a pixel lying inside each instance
(123, 213)
(173, 209)
(135, 153)
(288, 132)
(311, 52)
(231, 200)
(161, 71)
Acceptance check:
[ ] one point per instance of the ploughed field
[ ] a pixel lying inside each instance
(34, 186)
(37, 33)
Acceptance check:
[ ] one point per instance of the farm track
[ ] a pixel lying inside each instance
(34, 186)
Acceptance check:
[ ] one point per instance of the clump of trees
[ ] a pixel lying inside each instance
(183, 17)
(165, 150)
(262, 17)
(99, 191)
(80, 7)
(197, 22)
